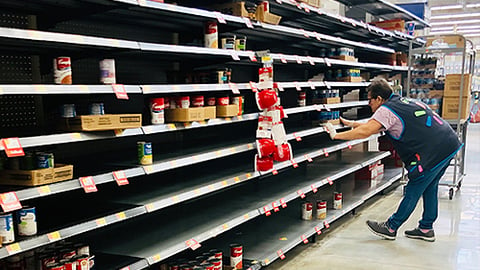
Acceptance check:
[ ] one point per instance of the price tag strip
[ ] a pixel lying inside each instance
(275, 207)
(120, 177)
(304, 239)
(13, 249)
(294, 163)
(309, 159)
(280, 254)
(9, 201)
(298, 138)
(54, 236)
(88, 184)
(267, 211)
(234, 55)
(44, 190)
(234, 88)
(253, 86)
(220, 17)
(12, 147)
(318, 230)
(283, 203)
(301, 194)
(192, 244)
(248, 23)
(119, 90)
(314, 189)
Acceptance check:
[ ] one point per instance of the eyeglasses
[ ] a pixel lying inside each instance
(370, 99)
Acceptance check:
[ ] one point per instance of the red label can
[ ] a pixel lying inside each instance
(70, 265)
(223, 101)
(62, 70)
(266, 6)
(198, 101)
(307, 209)
(337, 200)
(211, 35)
(56, 266)
(236, 256)
(321, 209)
(211, 101)
(82, 262)
(183, 102)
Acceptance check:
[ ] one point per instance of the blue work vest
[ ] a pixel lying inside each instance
(426, 141)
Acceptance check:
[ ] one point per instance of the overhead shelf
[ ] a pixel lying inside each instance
(163, 240)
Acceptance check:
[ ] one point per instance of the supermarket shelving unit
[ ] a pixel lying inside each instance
(463, 48)
(202, 185)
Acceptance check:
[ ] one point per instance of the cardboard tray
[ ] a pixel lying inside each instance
(350, 79)
(185, 115)
(267, 17)
(227, 111)
(61, 172)
(101, 122)
(327, 100)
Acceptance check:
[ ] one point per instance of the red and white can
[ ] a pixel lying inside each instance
(283, 152)
(69, 264)
(236, 256)
(55, 266)
(183, 102)
(223, 101)
(107, 71)
(337, 200)
(157, 110)
(211, 35)
(62, 70)
(218, 255)
(198, 101)
(302, 99)
(82, 262)
(307, 211)
(321, 209)
(207, 266)
(217, 263)
(266, 6)
(211, 101)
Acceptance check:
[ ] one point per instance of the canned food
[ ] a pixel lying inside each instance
(302, 99)
(186, 267)
(145, 156)
(236, 256)
(27, 221)
(207, 266)
(107, 71)
(223, 101)
(69, 265)
(29, 260)
(198, 101)
(82, 262)
(45, 160)
(68, 253)
(211, 35)
(240, 102)
(46, 260)
(217, 259)
(96, 109)
(174, 266)
(55, 266)
(82, 249)
(337, 200)
(241, 43)
(321, 209)
(211, 101)
(228, 42)
(307, 211)
(68, 111)
(6, 228)
(266, 6)
(217, 263)
(62, 70)
(183, 102)
(157, 110)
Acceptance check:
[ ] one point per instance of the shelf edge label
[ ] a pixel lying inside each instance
(88, 184)
(120, 177)
(13, 147)
(9, 201)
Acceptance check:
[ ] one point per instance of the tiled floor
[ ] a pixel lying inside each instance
(352, 246)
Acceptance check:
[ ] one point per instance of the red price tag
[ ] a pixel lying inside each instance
(252, 57)
(317, 36)
(220, 17)
(294, 163)
(325, 152)
(298, 138)
(307, 10)
(297, 58)
(120, 177)
(248, 23)
(314, 189)
(13, 148)
(119, 90)
(308, 158)
(282, 58)
(317, 229)
(280, 87)
(275, 207)
(326, 224)
(234, 55)
(267, 212)
(329, 181)
(311, 61)
(274, 172)
(234, 88)
(349, 146)
(88, 184)
(9, 201)
(192, 244)
(283, 203)
(305, 33)
(328, 62)
(126, 268)
(301, 194)
(280, 254)
(297, 86)
(304, 239)
(253, 86)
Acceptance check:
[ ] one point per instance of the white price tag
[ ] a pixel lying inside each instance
(234, 88)
(312, 85)
(317, 36)
(282, 58)
(9, 201)
(248, 23)
(12, 147)
(328, 62)
(234, 55)
(220, 17)
(298, 59)
(119, 90)
(297, 86)
(280, 87)
(311, 61)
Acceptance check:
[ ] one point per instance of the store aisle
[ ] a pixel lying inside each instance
(352, 246)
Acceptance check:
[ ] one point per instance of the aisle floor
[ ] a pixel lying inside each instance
(352, 246)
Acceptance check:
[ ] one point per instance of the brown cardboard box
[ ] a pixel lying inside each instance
(185, 115)
(61, 172)
(102, 122)
(450, 107)
(350, 79)
(435, 94)
(267, 17)
(453, 41)
(236, 9)
(327, 100)
(452, 85)
(346, 58)
(227, 111)
(210, 112)
(395, 24)
(314, 3)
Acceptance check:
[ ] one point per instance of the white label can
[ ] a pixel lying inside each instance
(6, 228)
(27, 221)
(307, 211)
(337, 200)
(107, 71)
(321, 209)
(236, 256)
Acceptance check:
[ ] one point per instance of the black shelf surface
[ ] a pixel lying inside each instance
(205, 219)
(262, 239)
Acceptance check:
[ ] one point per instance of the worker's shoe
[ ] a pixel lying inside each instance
(417, 233)
(381, 229)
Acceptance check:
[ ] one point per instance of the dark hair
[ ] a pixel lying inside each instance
(380, 88)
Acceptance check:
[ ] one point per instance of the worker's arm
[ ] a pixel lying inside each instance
(360, 132)
(351, 123)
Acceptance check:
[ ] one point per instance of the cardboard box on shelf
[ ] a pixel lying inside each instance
(210, 112)
(61, 172)
(227, 111)
(350, 79)
(452, 85)
(267, 17)
(450, 107)
(236, 9)
(101, 122)
(452, 41)
(327, 100)
(346, 58)
(391, 25)
(185, 115)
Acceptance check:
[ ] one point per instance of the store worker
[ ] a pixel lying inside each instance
(426, 144)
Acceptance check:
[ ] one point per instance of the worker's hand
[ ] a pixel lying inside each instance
(348, 123)
(330, 130)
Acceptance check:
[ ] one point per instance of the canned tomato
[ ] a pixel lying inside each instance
(27, 221)
(198, 101)
(145, 156)
(186, 267)
(307, 209)
(82, 262)
(96, 109)
(68, 253)
(46, 260)
(183, 102)
(211, 35)
(217, 259)
(223, 101)
(45, 160)
(157, 110)
(107, 71)
(207, 266)
(321, 209)
(337, 200)
(236, 256)
(174, 266)
(68, 111)
(211, 101)
(62, 70)
(217, 263)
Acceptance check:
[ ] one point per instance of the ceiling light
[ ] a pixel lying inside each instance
(447, 7)
(458, 15)
(473, 5)
(467, 31)
(472, 35)
(455, 22)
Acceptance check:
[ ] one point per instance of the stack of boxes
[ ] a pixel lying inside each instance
(451, 99)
